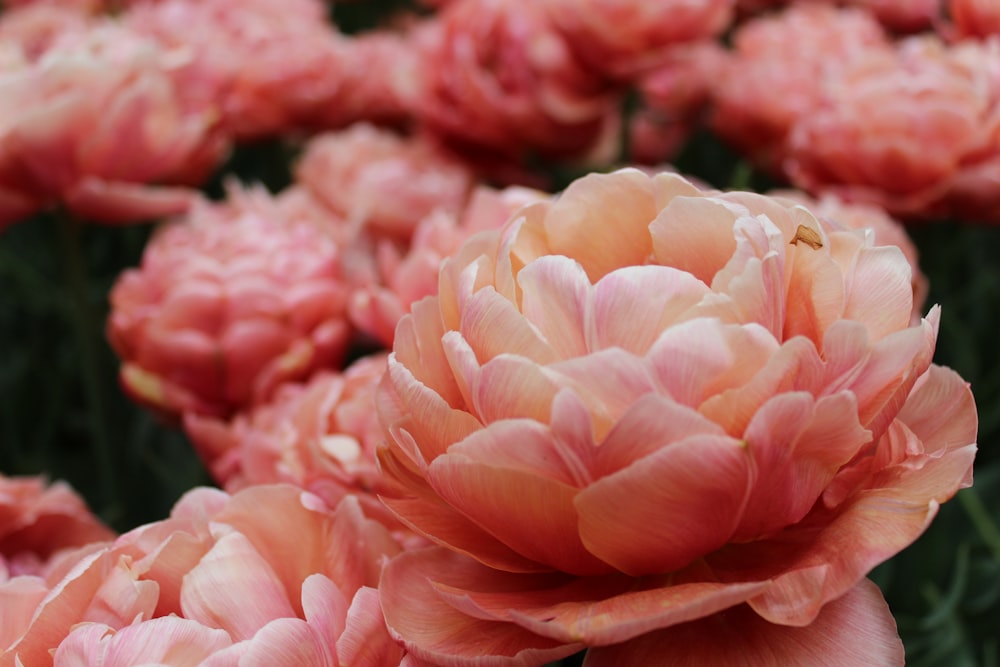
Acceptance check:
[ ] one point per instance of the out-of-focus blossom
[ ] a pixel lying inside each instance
(899, 128)
(36, 27)
(776, 71)
(270, 571)
(93, 123)
(975, 18)
(404, 277)
(898, 15)
(380, 182)
(674, 101)
(75, 6)
(624, 38)
(37, 520)
(230, 302)
(320, 435)
(499, 77)
(270, 67)
(719, 405)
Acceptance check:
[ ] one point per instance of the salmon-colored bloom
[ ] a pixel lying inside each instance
(37, 520)
(898, 128)
(624, 38)
(776, 72)
(93, 123)
(230, 302)
(404, 277)
(271, 571)
(381, 182)
(499, 77)
(642, 404)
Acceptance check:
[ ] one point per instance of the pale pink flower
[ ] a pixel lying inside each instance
(381, 182)
(776, 71)
(674, 101)
(271, 570)
(319, 435)
(93, 123)
(270, 67)
(405, 277)
(975, 18)
(228, 303)
(499, 77)
(642, 404)
(37, 520)
(35, 27)
(896, 129)
(624, 38)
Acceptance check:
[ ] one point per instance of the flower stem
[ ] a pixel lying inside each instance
(85, 333)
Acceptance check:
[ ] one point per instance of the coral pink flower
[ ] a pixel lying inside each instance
(320, 435)
(499, 77)
(270, 67)
(404, 278)
(895, 130)
(643, 404)
(897, 15)
(228, 303)
(776, 71)
(381, 182)
(975, 18)
(675, 98)
(38, 519)
(92, 123)
(622, 38)
(269, 571)
(36, 27)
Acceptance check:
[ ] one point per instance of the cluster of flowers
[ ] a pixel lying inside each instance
(459, 420)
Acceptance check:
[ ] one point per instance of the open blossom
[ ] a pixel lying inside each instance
(624, 38)
(405, 277)
(319, 435)
(499, 77)
(381, 182)
(270, 67)
(776, 69)
(37, 520)
(641, 406)
(226, 580)
(899, 130)
(228, 303)
(93, 124)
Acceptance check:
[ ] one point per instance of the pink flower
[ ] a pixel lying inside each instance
(776, 71)
(93, 123)
(897, 15)
(640, 405)
(269, 571)
(499, 77)
(269, 67)
(975, 18)
(320, 436)
(896, 129)
(622, 38)
(39, 519)
(405, 277)
(35, 27)
(381, 182)
(228, 303)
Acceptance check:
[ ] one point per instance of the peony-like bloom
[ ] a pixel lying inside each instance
(404, 278)
(37, 520)
(230, 302)
(641, 405)
(269, 67)
(776, 69)
(499, 77)
(93, 123)
(624, 38)
(320, 436)
(897, 130)
(381, 182)
(270, 571)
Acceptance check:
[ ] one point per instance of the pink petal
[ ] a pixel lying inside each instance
(669, 508)
(555, 296)
(695, 234)
(493, 326)
(856, 629)
(117, 202)
(286, 642)
(366, 641)
(880, 291)
(325, 607)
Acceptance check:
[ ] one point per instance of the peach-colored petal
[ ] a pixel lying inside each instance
(856, 629)
(556, 301)
(366, 641)
(168, 640)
